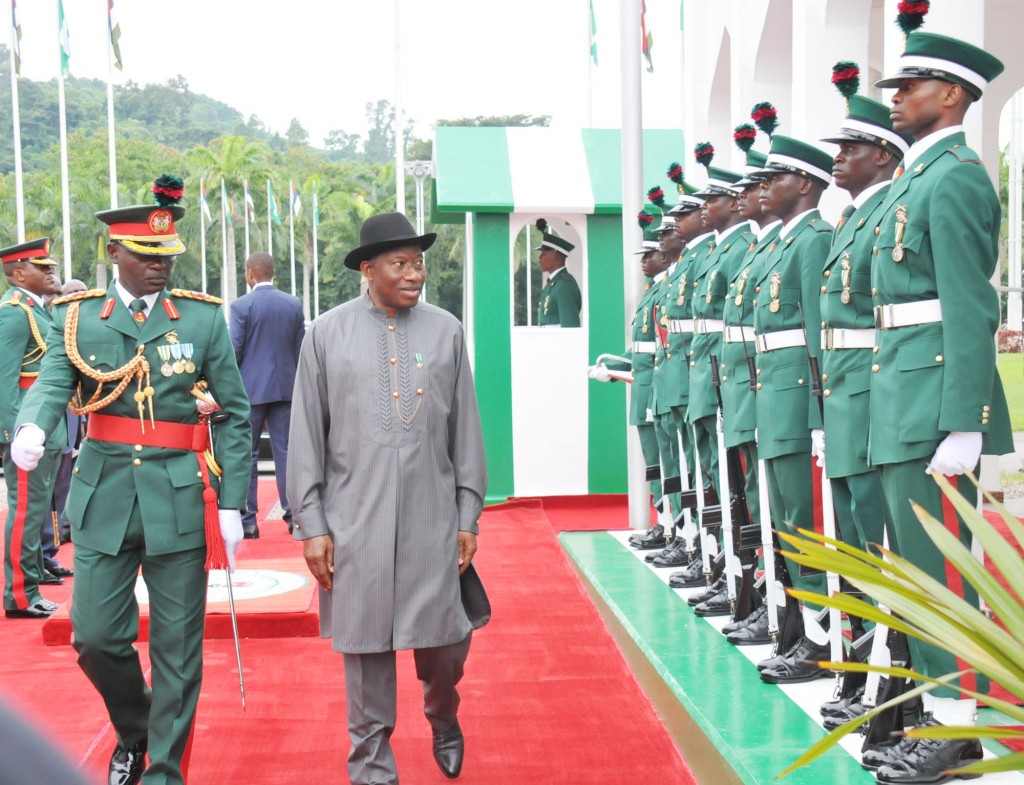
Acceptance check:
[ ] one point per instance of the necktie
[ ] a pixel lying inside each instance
(898, 172)
(847, 212)
(138, 309)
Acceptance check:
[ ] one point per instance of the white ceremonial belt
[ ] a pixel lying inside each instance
(705, 326)
(738, 333)
(847, 338)
(644, 347)
(782, 339)
(680, 325)
(907, 314)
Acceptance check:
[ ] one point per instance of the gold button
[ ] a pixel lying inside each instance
(875, 368)
(142, 346)
(799, 381)
(985, 408)
(419, 391)
(826, 393)
(76, 470)
(92, 358)
(874, 350)
(938, 358)
(824, 289)
(693, 364)
(755, 303)
(199, 474)
(732, 285)
(824, 377)
(394, 360)
(725, 378)
(984, 420)
(757, 289)
(874, 292)
(827, 273)
(822, 325)
(878, 230)
(723, 366)
(758, 371)
(394, 395)
(759, 385)
(875, 250)
(391, 327)
(138, 448)
(137, 462)
(669, 356)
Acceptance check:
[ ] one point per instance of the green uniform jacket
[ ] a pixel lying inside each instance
(846, 373)
(641, 391)
(560, 301)
(24, 322)
(739, 416)
(789, 277)
(929, 381)
(671, 373)
(709, 289)
(165, 483)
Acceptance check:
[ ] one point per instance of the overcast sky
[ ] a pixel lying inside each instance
(322, 61)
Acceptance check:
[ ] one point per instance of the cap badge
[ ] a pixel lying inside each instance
(160, 221)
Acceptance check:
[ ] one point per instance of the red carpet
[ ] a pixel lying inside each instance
(547, 697)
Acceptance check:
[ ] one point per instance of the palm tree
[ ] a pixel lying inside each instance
(231, 160)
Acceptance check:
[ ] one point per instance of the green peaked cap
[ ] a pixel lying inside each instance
(868, 121)
(721, 182)
(791, 155)
(933, 56)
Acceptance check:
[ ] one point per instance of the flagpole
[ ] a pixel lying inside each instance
(291, 231)
(19, 193)
(270, 222)
(399, 119)
(245, 210)
(202, 232)
(632, 189)
(111, 147)
(316, 257)
(65, 184)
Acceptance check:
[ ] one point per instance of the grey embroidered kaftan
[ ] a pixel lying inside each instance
(391, 479)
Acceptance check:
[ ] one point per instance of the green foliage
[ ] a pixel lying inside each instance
(928, 610)
(1011, 374)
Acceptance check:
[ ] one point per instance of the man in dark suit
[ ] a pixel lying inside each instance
(267, 328)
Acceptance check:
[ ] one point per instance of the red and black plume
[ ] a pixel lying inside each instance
(168, 190)
(910, 14)
(644, 219)
(846, 78)
(704, 153)
(743, 136)
(656, 197)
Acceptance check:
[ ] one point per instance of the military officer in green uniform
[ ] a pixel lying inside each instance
(936, 402)
(560, 299)
(786, 286)
(150, 490)
(641, 356)
(24, 322)
(671, 376)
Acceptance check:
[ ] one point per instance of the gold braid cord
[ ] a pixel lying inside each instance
(35, 354)
(137, 367)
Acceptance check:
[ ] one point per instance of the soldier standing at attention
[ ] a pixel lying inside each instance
(24, 322)
(560, 299)
(936, 400)
(787, 283)
(148, 483)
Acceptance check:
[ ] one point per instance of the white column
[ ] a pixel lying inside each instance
(1013, 246)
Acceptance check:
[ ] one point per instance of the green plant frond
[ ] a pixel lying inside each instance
(823, 745)
(965, 732)
(1006, 560)
(853, 606)
(1011, 762)
(804, 535)
(1005, 605)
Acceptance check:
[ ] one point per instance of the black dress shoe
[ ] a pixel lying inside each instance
(928, 760)
(650, 557)
(636, 537)
(853, 710)
(746, 621)
(49, 579)
(654, 538)
(673, 557)
(874, 756)
(753, 634)
(40, 609)
(840, 705)
(127, 764)
(448, 750)
(690, 578)
(251, 533)
(716, 605)
(61, 571)
(716, 586)
(799, 664)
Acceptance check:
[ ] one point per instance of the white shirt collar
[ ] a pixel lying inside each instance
(660, 276)
(792, 222)
(38, 298)
(923, 145)
(764, 230)
(867, 193)
(263, 283)
(553, 273)
(699, 239)
(672, 267)
(126, 297)
(731, 230)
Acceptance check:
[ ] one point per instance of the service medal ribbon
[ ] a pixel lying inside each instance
(165, 355)
(187, 350)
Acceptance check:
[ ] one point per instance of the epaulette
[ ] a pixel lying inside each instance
(70, 298)
(200, 296)
(820, 225)
(964, 154)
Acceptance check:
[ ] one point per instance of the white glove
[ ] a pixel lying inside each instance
(650, 415)
(599, 372)
(231, 533)
(818, 446)
(27, 447)
(957, 453)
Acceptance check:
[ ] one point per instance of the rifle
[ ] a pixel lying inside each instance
(735, 517)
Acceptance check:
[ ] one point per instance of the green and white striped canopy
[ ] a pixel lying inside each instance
(538, 170)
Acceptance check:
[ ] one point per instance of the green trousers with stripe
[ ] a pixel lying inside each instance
(29, 499)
